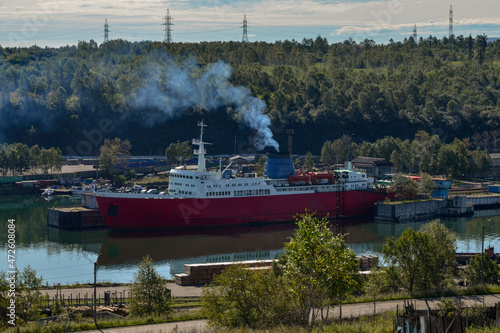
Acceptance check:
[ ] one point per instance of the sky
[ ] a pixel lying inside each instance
(56, 23)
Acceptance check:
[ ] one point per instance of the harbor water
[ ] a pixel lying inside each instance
(66, 257)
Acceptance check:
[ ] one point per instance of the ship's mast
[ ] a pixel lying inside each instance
(201, 151)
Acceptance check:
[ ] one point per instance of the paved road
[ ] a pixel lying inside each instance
(357, 310)
(349, 310)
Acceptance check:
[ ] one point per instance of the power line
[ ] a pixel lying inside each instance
(67, 276)
(54, 268)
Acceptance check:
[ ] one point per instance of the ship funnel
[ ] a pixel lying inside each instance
(278, 166)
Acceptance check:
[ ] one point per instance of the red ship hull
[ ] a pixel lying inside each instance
(134, 213)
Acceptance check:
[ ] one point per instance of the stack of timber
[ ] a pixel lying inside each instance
(367, 262)
(202, 274)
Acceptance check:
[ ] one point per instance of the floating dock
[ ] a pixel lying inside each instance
(75, 218)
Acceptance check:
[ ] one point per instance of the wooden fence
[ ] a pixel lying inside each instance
(429, 321)
(112, 297)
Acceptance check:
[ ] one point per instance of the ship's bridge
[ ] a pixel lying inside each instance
(189, 183)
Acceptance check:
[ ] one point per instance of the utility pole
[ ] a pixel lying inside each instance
(168, 27)
(95, 297)
(245, 29)
(482, 259)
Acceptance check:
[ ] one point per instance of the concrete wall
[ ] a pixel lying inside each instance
(409, 211)
(419, 210)
(484, 200)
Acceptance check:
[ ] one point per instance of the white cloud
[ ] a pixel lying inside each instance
(31, 20)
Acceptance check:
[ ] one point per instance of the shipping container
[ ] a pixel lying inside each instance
(494, 188)
(440, 194)
(10, 179)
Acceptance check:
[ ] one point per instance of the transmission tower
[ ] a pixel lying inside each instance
(168, 27)
(415, 33)
(245, 29)
(450, 32)
(106, 31)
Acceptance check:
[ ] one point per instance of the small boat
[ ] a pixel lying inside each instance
(137, 188)
(92, 188)
(48, 192)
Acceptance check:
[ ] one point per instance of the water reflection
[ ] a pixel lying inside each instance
(247, 243)
(205, 246)
(68, 256)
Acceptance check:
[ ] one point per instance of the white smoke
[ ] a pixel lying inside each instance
(174, 88)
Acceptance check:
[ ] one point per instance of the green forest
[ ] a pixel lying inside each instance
(154, 93)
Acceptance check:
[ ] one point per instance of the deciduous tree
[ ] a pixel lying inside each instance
(442, 247)
(490, 268)
(405, 187)
(317, 270)
(29, 296)
(421, 260)
(426, 185)
(150, 294)
(405, 257)
(113, 154)
(309, 163)
(177, 152)
(241, 297)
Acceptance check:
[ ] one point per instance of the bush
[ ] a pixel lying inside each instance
(241, 297)
(473, 270)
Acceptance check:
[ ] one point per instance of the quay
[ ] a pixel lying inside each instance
(415, 210)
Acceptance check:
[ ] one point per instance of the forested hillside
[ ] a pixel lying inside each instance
(153, 93)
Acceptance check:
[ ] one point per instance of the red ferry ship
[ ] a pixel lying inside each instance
(204, 198)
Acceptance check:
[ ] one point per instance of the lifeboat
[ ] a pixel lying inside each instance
(322, 177)
(299, 179)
